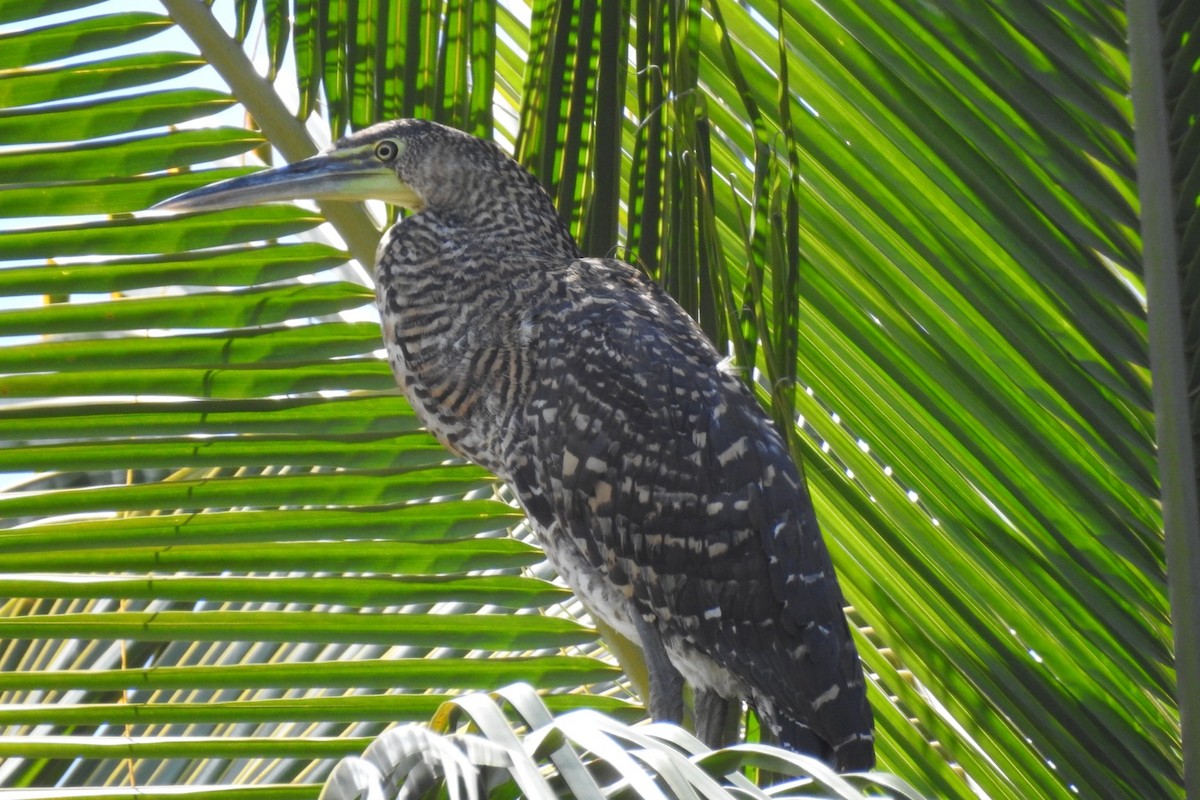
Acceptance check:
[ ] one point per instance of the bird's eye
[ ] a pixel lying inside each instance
(386, 150)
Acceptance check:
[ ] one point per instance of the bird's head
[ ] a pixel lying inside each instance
(414, 164)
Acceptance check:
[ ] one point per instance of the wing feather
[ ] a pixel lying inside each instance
(674, 484)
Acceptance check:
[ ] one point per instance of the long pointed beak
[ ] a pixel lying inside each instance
(350, 175)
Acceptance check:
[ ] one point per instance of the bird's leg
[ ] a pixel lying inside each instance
(713, 718)
(666, 684)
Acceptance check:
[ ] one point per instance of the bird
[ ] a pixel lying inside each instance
(659, 489)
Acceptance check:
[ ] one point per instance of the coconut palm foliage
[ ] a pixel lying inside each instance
(474, 749)
(920, 223)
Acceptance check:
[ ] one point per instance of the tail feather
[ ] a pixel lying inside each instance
(855, 754)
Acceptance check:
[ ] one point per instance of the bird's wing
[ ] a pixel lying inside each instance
(673, 483)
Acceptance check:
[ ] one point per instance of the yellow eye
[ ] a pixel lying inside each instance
(386, 150)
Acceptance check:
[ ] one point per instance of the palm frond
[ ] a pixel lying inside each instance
(474, 749)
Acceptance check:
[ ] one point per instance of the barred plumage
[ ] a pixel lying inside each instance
(656, 484)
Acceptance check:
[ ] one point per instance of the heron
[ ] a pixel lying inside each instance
(654, 481)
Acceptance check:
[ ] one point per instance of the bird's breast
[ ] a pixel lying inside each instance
(462, 360)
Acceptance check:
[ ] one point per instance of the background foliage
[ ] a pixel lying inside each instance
(919, 221)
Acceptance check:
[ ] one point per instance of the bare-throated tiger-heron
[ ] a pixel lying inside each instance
(657, 486)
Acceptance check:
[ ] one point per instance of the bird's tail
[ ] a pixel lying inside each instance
(854, 754)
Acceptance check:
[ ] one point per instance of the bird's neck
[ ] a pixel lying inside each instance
(480, 248)
(455, 299)
(505, 209)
